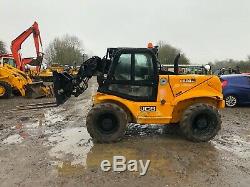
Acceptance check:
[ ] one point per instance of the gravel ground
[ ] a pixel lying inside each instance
(51, 147)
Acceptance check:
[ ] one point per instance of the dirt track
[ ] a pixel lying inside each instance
(51, 147)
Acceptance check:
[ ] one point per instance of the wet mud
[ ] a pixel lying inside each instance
(51, 147)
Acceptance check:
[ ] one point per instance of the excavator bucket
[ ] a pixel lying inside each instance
(37, 61)
(38, 90)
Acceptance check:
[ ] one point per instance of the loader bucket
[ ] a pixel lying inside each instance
(38, 90)
(63, 86)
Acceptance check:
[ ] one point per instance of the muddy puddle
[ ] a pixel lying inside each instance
(71, 150)
(70, 145)
(13, 139)
(234, 144)
(30, 127)
(166, 155)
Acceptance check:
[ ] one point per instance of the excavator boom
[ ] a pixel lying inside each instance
(16, 45)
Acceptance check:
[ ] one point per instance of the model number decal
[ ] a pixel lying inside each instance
(148, 108)
(188, 80)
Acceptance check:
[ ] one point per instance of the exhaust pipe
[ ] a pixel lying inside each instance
(176, 64)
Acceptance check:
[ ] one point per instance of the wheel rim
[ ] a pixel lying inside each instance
(203, 124)
(231, 101)
(107, 123)
(2, 90)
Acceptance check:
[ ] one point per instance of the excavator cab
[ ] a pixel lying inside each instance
(134, 89)
(7, 59)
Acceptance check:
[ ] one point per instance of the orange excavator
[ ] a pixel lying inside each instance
(16, 46)
(12, 77)
(31, 66)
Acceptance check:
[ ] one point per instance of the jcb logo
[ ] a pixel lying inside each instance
(148, 108)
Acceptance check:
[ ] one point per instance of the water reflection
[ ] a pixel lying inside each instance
(169, 155)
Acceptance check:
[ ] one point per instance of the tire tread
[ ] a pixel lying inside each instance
(185, 123)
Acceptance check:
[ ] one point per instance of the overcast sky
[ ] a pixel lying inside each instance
(205, 30)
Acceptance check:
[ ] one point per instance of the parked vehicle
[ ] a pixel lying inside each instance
(236, 89)
(228, 71)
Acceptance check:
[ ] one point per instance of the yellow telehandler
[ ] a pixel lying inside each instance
(134, 89)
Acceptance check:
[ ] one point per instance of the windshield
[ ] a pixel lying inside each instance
(9, 61)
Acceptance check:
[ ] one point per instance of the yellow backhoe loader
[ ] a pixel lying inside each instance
(13, 80)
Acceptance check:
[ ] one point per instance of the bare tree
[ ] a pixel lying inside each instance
(167, 54)
(243, 65)
(67, 50)
(3, 49)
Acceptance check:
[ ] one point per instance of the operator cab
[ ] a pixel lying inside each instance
(8, 60)
(133, 74)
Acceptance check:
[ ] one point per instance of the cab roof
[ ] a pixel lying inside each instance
(111, 51)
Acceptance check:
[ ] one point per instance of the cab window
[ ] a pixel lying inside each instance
(143, 67)
(123, 68)
(9, 61)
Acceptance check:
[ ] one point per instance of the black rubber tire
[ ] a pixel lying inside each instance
(95, 123)
(200, 122)
(8, 90)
